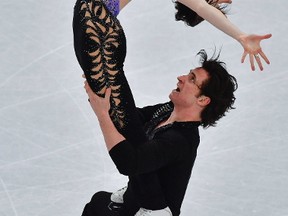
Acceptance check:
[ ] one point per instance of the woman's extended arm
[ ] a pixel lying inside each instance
(213, 16)
(250, 43)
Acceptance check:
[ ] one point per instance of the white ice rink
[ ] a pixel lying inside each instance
(52, 154)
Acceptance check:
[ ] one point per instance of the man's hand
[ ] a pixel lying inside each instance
(100, 106)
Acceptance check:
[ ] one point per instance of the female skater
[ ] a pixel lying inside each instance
(100, 48)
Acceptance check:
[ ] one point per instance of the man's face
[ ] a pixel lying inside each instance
(189, 87)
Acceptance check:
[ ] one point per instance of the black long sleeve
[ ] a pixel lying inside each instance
(150, 156)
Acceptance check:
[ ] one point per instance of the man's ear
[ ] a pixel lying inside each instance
(203, 100)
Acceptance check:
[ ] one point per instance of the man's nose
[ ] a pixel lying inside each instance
(181, 78)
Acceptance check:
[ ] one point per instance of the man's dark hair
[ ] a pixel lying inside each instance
(190, 17)
(219, 87)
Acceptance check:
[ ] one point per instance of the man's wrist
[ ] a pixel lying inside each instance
(103, 116)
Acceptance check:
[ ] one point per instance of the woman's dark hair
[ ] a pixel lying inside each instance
(219, 87)
(190, 17)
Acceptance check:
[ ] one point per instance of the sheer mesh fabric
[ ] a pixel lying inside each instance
(103, 57)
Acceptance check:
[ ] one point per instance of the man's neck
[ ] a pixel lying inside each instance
(184, 115)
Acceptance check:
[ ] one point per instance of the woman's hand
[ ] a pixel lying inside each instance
(251, 45)
(100, 106)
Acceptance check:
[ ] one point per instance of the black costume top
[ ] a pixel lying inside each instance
(170, 152)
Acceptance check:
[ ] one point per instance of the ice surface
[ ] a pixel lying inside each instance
(52, 154)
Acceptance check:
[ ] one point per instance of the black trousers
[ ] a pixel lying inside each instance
(100, 47)
(100, 205)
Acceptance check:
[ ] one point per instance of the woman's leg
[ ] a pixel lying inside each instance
(100, 48)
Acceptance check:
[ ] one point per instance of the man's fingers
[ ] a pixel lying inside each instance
(108, 93)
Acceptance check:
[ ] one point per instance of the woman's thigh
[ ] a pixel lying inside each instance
(100, 47)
